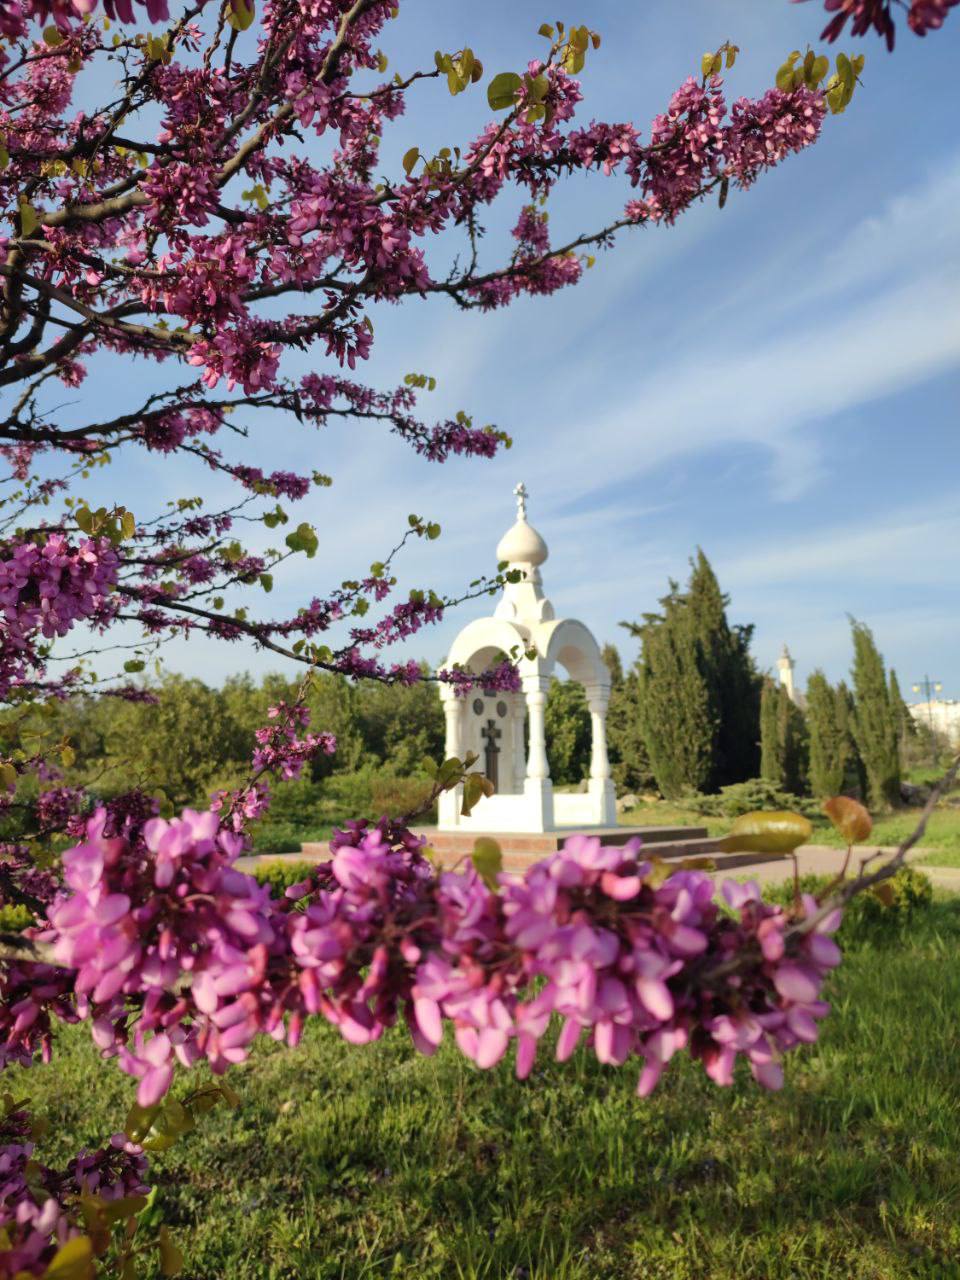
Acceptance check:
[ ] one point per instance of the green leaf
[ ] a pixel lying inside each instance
(502, 90)
(52, 37)
(304, 538)
(410, 159)
(230, 1096)
(128, 525)
(73, 1261)
(819, 69)
(777, 831)
(475, 787)
(450, 773)
(28, 218)
(68, 757)
(95, 1209)
(472, 793)
(171, 1258)
(487, 858)
(138, 1121)
(133, 665)
(266, 581)
(546, 30)
(240, 14)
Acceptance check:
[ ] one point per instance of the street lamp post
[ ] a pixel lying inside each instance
(928, 688)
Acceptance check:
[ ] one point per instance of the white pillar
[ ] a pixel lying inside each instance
(600, 786)
(597, 701)
(536, 696)
(448, 803)
(452, 710)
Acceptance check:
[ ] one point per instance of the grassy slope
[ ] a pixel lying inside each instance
(942, 836)
(351, 1163)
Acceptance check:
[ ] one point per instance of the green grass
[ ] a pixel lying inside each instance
(942, 836)
(947, 856)
(350, 1164)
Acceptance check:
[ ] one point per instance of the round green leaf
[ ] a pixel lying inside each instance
(502, 90)
(778, 831)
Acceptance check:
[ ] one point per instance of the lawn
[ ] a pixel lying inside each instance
(941, 839)
(354, 1163)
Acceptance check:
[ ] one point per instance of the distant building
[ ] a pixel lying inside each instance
(940, 714)
(785, 669)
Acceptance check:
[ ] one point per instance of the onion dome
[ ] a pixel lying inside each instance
(521, 544)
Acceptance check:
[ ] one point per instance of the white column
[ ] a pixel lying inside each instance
(448, 804)
(452, 710)
(597, 701)
(600, 786)
(537, 767)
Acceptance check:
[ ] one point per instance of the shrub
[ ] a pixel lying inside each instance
(14, 917)
(396, 796)
(281, 875)
(872, 915)
(745, 797)
(278, 837)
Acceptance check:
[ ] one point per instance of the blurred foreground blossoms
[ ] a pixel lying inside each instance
(173, 955)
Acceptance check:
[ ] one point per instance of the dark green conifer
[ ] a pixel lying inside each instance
(828, 737)
(874, 720)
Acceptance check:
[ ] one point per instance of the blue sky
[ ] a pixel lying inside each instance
(777, 382)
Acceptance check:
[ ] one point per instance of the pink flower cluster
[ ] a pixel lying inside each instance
(636, 968)
(922, 16)
(38, 1205)
(281, 750)
(46, 587)
(139, 921)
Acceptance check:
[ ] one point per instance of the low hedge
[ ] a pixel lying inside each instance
(871, 915)
(281, 875)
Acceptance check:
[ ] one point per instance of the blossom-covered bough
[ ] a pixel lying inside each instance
(200, 193)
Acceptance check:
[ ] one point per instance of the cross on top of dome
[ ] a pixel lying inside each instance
(522, 545)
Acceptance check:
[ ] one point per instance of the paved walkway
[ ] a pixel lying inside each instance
(815, 859)
(822, 860)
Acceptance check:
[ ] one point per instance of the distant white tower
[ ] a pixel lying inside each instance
(785, 666)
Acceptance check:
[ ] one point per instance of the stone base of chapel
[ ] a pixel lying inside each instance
(522, 848)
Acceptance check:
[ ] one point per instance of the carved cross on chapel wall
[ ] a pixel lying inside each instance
(491, 753)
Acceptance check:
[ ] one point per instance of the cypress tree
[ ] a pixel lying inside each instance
(783, 739)
(854, 774)
(732, 683)
(874, 720)
(795, 745)
(699, 689)
(906, 725)
(612, 661)
(771, 746)
(828, 746)
(676, 718)
(626, 748)
(629, 761)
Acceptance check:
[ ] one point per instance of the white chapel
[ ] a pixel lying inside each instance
(506, 730)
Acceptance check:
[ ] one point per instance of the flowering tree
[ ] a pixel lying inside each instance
(185, 221)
